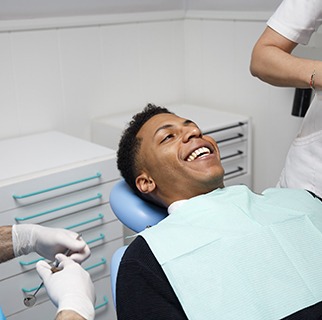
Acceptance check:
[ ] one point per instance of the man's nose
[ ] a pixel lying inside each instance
(190, 133)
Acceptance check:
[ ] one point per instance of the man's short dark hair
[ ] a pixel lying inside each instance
(129, 144)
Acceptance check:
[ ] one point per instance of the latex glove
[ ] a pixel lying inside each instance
(69, 289)
(47, 242)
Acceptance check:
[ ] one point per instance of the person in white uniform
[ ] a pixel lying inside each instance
(272, 61)
(71, 289)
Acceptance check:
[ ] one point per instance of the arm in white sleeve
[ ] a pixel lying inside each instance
(272, 60)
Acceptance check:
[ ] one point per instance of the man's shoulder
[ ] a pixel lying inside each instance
(137, 250)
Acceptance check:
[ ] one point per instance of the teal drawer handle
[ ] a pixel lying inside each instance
(31, 289)
(103, 304)
(98, 196)
(102, 262)
(23, 263)
(27, 195)
(99, 217)
(101, 237)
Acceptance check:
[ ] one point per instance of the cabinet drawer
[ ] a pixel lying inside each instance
(233, 145)
(233, 151)
(11, 289)
(49, 185)
(54, 208)
(105, 309)
(46, 310)
(84, 219)
(235, 167)
(231, 133)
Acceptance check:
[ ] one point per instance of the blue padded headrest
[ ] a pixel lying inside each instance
(2, 317)
(115, 263)
(131, 210)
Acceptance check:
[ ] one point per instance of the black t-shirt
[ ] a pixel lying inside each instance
(144, 292)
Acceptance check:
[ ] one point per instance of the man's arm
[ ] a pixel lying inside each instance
(69, 315)
(6, 249)
(273, 63)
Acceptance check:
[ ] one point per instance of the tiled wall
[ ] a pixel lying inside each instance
(60, 78)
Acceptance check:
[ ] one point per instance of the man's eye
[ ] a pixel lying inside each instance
(167, 137)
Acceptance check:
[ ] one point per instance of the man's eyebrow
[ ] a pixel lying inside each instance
(187, 122)
(166, 126)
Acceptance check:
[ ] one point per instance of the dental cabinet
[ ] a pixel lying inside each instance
(56, 180)
(231, 131)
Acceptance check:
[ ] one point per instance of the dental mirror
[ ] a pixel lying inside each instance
(30, 300)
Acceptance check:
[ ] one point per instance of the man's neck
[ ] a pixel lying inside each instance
(174, 205)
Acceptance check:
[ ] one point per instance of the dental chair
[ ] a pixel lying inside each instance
(2, 317)
(134, 213)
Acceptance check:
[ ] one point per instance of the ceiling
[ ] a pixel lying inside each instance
(32, 9)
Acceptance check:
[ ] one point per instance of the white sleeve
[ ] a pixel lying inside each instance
(296, 20)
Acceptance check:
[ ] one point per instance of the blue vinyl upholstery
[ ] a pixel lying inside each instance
(134, 213)
(2, 317)
(131, 210)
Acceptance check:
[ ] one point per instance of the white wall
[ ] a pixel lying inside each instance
(217, 75)
(60, 78)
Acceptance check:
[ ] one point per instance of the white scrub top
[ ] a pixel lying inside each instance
(303, 164)
(296, 20)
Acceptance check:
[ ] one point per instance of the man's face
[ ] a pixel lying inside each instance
(177, 161)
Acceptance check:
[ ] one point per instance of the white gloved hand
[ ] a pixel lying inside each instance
(69, 289)
(47, 242)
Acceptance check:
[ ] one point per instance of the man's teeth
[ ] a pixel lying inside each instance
(203, 151)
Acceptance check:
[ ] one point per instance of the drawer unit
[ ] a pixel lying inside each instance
(57, 180)
(231, 131)
(233, 143)
(103, 307)
(16, 192)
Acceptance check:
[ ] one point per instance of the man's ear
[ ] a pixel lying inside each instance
(145, 183)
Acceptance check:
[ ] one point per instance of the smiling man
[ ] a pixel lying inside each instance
(222, 253)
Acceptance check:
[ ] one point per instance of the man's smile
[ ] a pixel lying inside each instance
(198, 153)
